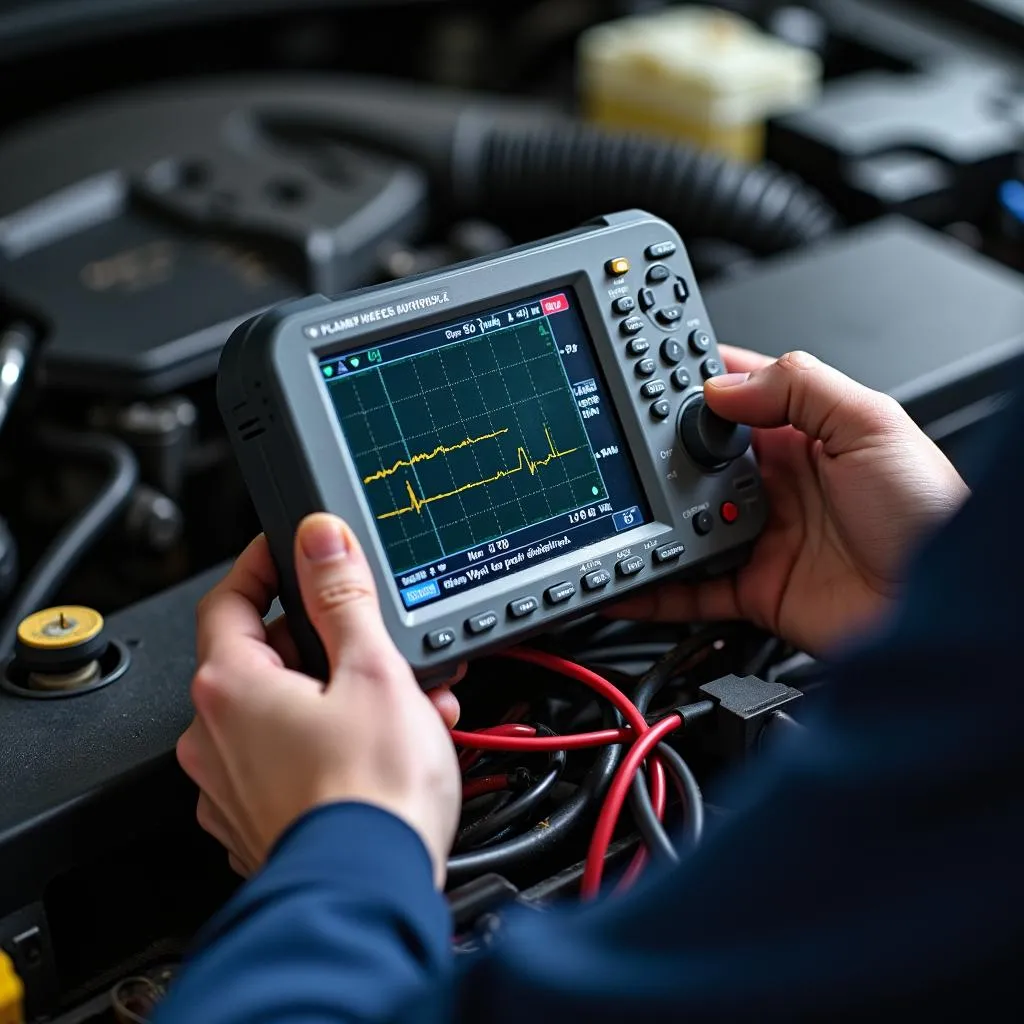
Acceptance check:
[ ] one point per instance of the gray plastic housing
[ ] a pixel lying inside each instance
(295, 458)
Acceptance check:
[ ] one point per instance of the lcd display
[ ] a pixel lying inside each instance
(486, 445)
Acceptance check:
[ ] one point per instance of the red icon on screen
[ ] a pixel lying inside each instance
(555, 304)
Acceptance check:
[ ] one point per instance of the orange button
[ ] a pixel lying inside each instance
(618, 266)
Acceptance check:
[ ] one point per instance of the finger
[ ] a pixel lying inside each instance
(819, 401)
(742, 360)
(339, 593)
(280, 638)
(447, 705)
(714, 601)
(199, 761)
(211, 820)
(235, 607)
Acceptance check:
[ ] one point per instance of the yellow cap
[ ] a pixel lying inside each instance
(61, 628)
(12, 992)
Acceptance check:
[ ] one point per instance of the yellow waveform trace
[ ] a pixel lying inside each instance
(417, 504)
(441, 449)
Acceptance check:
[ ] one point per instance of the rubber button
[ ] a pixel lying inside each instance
(660, 250)
(711, 368)
(658, 273)
(682, 290)
(522, 606)
(700, 342)
(630, 566)
(653, 389)
(634, 325)
(703, 523)
(671, 351)
(670, 315)
(624, 305)
(681, 378)
(729, 512)
(646, 298)
(646, 368)
(617, 267)
(638, 346)
(440, 639)
(661, 410)
(597, 580)
(482, 623)
(669, 552)
(560, 592)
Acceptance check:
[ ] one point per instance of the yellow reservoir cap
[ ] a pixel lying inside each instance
(12, 992)
(61, 628)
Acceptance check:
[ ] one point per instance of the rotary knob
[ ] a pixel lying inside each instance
(711, 441)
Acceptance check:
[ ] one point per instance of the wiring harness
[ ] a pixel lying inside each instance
(546, 788)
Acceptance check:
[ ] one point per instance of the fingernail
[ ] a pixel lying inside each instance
(729, 380)
(323, 537)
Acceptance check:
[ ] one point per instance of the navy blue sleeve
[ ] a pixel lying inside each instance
(344, 924)
(874, 866)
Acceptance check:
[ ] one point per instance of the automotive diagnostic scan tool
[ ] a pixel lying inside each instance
(515, 440)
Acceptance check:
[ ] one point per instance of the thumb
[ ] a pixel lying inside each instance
(801, 391)
(338, 590)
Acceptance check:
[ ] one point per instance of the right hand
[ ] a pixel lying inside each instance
(852, 486)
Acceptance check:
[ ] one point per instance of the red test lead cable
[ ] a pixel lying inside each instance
(530, 743)
(613, 803)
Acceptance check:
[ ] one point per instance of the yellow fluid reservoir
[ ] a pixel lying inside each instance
(12, 992)
(698, 74)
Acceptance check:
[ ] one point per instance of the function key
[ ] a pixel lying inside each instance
(646, 299)
(729, 512)
(703, 523)
(630, 566)
(681, 378)
(682, 290)
(700, 341)
(638, 346)
(439, 639)
(560, 592)
(658, 273)
(653, 389)
(669, 552)
(617, 267)
(634, 325)
(482, 623)
(597, 580)
(645, 368)
(661, 410)
(522, 606)
(671, 351)
(660, 250)
(624, 305)
(711, 368)
(670, 315)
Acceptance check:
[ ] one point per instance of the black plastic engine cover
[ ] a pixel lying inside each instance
(137, 231)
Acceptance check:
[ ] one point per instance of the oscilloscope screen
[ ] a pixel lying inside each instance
(485, 445)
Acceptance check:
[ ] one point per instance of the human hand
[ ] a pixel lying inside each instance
(852, 486)
(269, 743)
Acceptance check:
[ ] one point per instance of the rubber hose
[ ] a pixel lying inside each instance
(81, 533)
(567, 172)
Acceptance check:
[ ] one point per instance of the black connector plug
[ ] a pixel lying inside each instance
(744, 706)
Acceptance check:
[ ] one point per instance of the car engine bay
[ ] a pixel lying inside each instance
(169, 170)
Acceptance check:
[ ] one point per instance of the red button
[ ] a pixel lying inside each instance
(730, 513)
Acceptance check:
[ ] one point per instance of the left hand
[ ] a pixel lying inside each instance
(269, 743)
